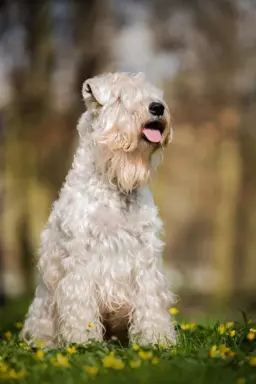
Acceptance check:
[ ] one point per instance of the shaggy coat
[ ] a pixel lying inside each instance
(100, 262)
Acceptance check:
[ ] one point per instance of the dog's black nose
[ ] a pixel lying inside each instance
(157, 109)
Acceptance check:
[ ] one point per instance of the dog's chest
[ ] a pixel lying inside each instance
(129, 222)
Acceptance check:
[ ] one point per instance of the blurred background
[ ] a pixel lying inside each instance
(203, 54)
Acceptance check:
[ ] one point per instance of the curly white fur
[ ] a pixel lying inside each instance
(100, 255)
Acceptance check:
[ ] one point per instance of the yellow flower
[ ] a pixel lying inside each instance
(173, 311)
(111, 361)
(251, 336)
(119, 364)
(135, 347)
(223, 348)
(144, 355)
(12, 374)
(25, 346)
(155, 361)
(91, 369)
(17, 375)
(253, 330)
(19, 324)
(221, 329)
(3, 367)
(21, 374)
(213, 351)
(8, 335)
(39, 355)
(108, 361)
(241, 380)
(135, 363)
(231, 354)
(71, 350)
(188, 327)
(39, 343)
(252, 361)
(229, 324)
(232, 333)
(62, 360)
(90, 324)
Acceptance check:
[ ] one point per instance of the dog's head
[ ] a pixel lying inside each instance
(128, 121)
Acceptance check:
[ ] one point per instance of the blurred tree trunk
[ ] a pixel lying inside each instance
(93, 29)
(29, 107)
(2, 137)
(245, 244)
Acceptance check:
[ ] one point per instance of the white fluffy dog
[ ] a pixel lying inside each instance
(100, 255)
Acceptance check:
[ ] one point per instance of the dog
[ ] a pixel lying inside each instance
(100, 258)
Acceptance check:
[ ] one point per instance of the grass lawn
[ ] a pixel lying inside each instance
(223, 353)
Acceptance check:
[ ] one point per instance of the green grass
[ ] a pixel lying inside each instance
(189, 362)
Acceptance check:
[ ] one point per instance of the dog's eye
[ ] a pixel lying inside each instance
(93, 98)
(88, 89)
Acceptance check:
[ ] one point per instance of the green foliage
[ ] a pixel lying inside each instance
(225, 353)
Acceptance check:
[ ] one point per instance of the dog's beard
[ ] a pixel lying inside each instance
(127, 170)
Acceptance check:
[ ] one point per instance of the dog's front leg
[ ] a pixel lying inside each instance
(150, 320)
(78, 310)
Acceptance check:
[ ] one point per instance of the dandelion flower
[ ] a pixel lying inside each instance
(90, 324)
(8, 335)
(155, 361)
(251, 336)
(252, 361)
(232, 333)
(145, 355)
(192, 326)
(173, 311)
(19, 324)
(135, 363)
(71, 350)
(39, 355)
(213, 351)
(13, 374)
(184, 326)
(62, 360)
(119, 364)
(135, 347)
(17, 375)
(92, 369)
(3, 367)
(221, 329)
(109, 360)
(241, 380)
(223, 348)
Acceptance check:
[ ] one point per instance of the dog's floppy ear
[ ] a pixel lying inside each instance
(97, 88)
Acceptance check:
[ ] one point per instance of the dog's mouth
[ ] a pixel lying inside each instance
(153, 130)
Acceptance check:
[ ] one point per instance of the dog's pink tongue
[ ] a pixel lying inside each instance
(152, 135)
